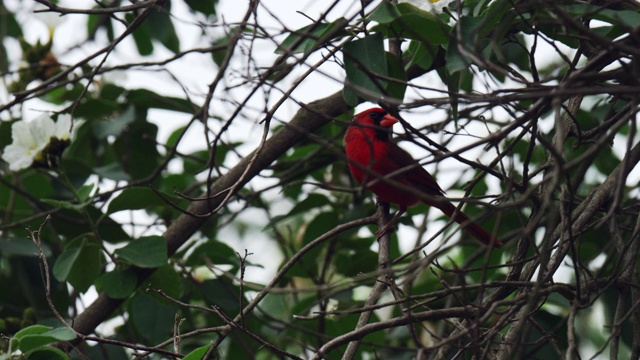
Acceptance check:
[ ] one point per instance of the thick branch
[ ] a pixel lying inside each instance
(308, 119)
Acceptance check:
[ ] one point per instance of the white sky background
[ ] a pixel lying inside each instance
(201, 71)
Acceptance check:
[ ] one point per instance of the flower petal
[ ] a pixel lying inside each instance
(17, 157)
(62, 127)
(21, 133)
(42, 129)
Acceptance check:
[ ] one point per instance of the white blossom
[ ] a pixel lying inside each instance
(49, 18)
(63, 127)
(30, 139)
(434, 6)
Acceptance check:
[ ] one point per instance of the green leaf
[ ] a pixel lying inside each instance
(141, 36)
(110, 91)
(312, 201)
(307, 266)
(222, 150)
(11, 26)
(137, 198)
(112, 171)
(66, 204)
(196, 162)
(4, 60)
(80, 263)
(114, 126)
(521, 148)
(396, 89)
(173, 182)
(277, 305)
(385, 13)
(167, 279)
(218, 56)
(364, 62)
(94, 22)
(109, 230)
(175, 136)
(63, 94)
(207, 7)
(136, 147)
(118, 284)
(65, 262)
(97, 108)
(606, 161)
(455, 60)
(22, 247)
(152, 319)
(61, 334)
(367, 262)
(5, 133)
(307, 40)
(198, 353)
(161, 28)
(512, 52)
(79, 158)
(84, 192)
(35, 184)
(221, 292)
(215, 251)
(453, 83)
(320, 225)
(625, 18)
(146, 252)
(105, 352)
(420, 55)
(407, 21)
(47, 353)
(31, 330)
(306, 160)
(33, 341)
(148, 99)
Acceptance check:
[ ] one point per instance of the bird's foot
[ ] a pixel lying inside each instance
(384, 230)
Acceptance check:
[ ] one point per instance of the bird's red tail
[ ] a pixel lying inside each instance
(468, 225)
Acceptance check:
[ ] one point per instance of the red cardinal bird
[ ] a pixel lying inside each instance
(374, 158)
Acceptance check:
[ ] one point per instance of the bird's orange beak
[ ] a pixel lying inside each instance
(388, 121)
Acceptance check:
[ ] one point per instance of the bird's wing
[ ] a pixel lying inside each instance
(417, 175)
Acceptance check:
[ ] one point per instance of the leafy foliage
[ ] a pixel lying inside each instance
(213, 221)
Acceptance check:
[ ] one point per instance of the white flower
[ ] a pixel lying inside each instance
(435, 6)
(30, 139)
(63, 127)
(49, 18)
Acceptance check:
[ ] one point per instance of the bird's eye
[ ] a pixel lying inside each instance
(377, 116)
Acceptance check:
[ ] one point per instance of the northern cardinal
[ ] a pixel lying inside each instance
(374, 159)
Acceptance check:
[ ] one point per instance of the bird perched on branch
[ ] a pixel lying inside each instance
(393, 175)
